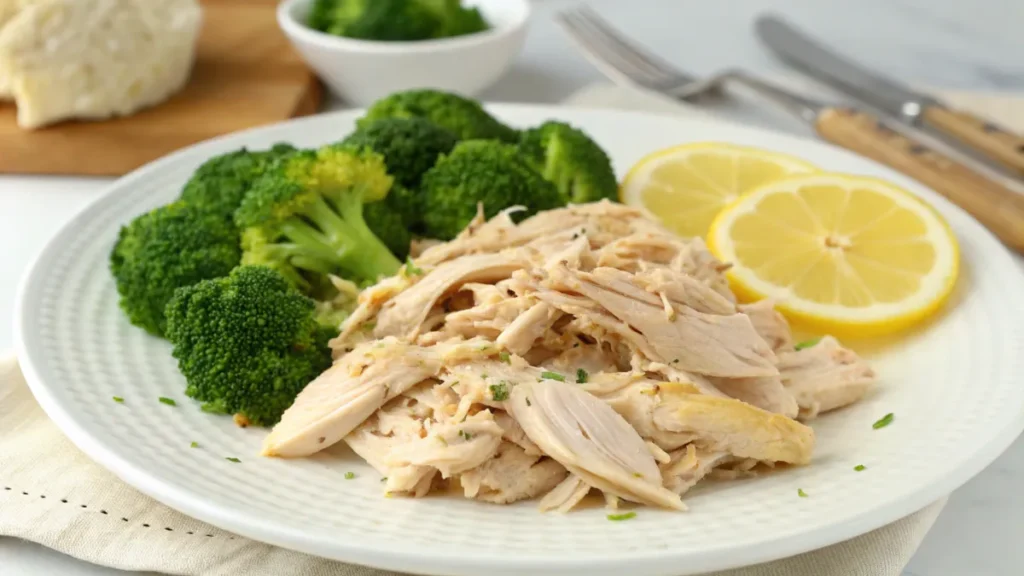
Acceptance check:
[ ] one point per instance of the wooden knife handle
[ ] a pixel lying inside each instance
(994, 205)
(985, 137)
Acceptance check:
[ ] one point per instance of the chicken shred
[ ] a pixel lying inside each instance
(584, 349)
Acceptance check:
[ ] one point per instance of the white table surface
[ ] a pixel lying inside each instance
(957, 45)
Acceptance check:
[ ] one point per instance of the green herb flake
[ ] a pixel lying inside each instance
(528, 402)
(676, 361)
(349, 475)
(621, 517)
(505, 357)
(637, 475)
(484, 375)
(883, 422)
(118, 399)
(194, 445)
(552, 376)
(800, 492)
(465, 435)
(807, 343)
(168, 401)
(411, 269)
(581, 376)
(499, 392)
(442, 440)
(233, 459)
(383, 479)
(860, 467)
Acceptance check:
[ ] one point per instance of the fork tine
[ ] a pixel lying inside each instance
(628, 50)
(600, 53)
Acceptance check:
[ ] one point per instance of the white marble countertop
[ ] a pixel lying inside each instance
(956, 45)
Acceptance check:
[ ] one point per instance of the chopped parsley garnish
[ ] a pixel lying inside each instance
(505, 357)
(465, 435)
(411, 269)
(442, 440)
(621, 517)
(383, 479)
(807, 343)
(800, 492)
(233, 459)
(118, 399)
(883, 422)
(499, 391)
(637, 475)
(581, 376)
(168, 401)
(552, 376)
(860, 467)
(528, 402)
(484, 375)
(194, 445)
(349, 475)
(676, 361)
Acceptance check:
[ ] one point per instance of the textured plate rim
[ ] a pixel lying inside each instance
(652, 562)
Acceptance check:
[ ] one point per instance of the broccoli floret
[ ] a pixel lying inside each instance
(410, 146)
(384, 20)
(335, 16)
(304, 217)
(455, 20)
(485, 172)
(247, 343)
(172, 246)
(220, 183)
(389, 226)
(572, 161)
(464, 117)
(395, 20)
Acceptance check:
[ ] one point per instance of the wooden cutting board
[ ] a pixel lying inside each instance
(246, 74)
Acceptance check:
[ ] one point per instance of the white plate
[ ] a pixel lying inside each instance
(955, 388)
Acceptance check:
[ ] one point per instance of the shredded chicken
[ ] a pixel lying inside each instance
(585, 349)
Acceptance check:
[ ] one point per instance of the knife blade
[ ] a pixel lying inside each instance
(889, 96)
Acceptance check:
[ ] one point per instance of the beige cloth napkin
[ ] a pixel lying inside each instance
(52, 494)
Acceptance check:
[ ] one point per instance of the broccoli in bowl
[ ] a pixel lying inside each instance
(396, 20)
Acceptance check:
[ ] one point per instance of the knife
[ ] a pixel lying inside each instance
(895, 99)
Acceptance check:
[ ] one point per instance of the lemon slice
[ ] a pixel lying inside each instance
(687, 186)
(856, 256)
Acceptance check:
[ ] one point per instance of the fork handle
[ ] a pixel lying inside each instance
(997, 207)
(996, 143)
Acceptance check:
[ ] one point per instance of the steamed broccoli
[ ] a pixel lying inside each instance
(395, 20)
(485, 172)
(220, 183)
(388, 225)
(410, 146)
(455, 19)
(335, 16)
(575, 164)
(464, 117)
(172, 246)
(304, 217)
(387, 20)
(247, 343)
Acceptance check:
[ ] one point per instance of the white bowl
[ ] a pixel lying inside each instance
(361, 71)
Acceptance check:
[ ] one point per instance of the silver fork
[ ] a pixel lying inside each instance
(986, 194)
(623, 61)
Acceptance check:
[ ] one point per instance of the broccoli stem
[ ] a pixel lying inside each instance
(333, 235)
